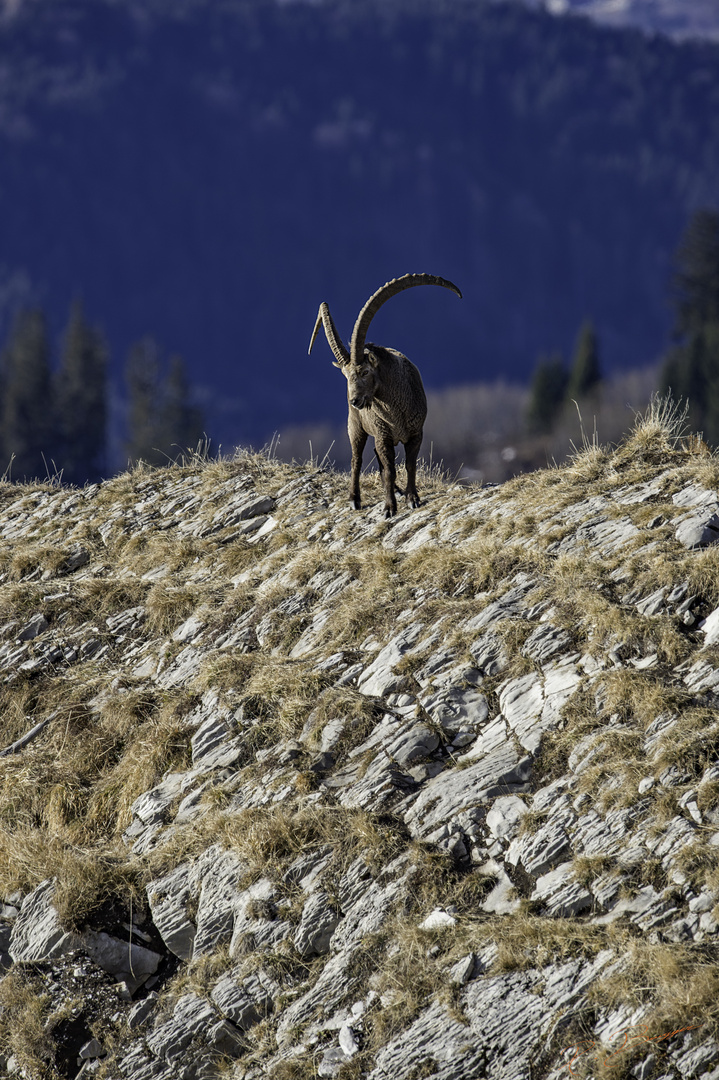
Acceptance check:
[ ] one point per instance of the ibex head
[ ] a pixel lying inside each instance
(363, 380)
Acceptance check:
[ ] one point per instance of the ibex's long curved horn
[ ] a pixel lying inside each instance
(333, 339)
(382, 295)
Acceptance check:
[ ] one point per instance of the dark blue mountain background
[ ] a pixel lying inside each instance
(208, 172)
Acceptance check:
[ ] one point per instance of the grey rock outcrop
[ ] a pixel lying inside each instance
(317, 925)
(36, 932)
(363, 770)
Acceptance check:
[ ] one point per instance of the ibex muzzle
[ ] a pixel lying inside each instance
(384, 391)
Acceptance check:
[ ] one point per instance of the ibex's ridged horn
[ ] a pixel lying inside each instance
(333, 339)
(379, 298)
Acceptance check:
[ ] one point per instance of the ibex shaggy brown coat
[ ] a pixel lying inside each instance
(384, 391)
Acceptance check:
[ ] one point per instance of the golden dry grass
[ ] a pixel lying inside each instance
(24, 1011)
(65, 801)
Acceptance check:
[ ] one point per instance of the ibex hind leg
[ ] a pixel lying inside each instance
(385, 456)
(397, 488)
(411, 450)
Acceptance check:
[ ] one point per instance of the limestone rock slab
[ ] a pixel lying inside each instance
(245, 1001)
(37, 933)
(710, 628)
(379, 678)
(434, 1045)
(457, 709)
(511, 603)
(152, 806)
(171, 898)
(368, 914)
(336, 982)
(698, 530)
(126, 961)
(545, 642)
(539, 851)
(448, 794)
(505, 816)
(560, 893)
(191, 1016)
(532, 703)
(317, 925)
(215, 874)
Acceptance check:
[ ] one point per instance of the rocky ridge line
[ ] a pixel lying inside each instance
(432, 792)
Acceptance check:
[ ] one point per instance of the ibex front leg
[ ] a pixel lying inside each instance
(358, 439)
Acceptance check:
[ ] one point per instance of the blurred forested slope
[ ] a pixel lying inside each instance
(208, 171)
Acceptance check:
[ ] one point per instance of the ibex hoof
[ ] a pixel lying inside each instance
(356, 503)
(390, 511)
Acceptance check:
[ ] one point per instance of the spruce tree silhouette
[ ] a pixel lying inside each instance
(691, 368)
(585, 374)
(546, 394)
(181, 423)
(81, 400)
(27, 421)
(161, 421)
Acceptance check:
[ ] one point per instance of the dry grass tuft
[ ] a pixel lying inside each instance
(267, 839)
(359, 713)
(657, 435)
(79, 780)
(168, 606)
(24, 1011)
(87, 879)
(679, 983)
(280, 693)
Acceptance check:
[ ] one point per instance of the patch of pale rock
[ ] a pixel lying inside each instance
(448, 794)
(450, 802)
(317, 925)
(505, 816)
(538, 852)
(379, 678)
(245, 1001)
(560, 894)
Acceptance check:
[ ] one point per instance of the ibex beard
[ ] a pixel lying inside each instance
(385, 395)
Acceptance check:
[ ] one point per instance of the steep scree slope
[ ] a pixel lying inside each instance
(288, 790)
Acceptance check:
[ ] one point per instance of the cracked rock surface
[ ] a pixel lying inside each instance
(289, 790)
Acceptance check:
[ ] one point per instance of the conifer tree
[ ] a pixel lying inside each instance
(27, 425)
(143, 403)
(691, 369)
(161, 420)
(546, 394)
(80, 392)
(182, 422)
(696, 279)
(585, 374)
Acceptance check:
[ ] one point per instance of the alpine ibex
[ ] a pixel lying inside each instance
(384, 391)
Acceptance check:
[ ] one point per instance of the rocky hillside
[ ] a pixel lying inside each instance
(289, 790)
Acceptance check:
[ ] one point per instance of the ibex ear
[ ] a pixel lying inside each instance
(371, 357)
